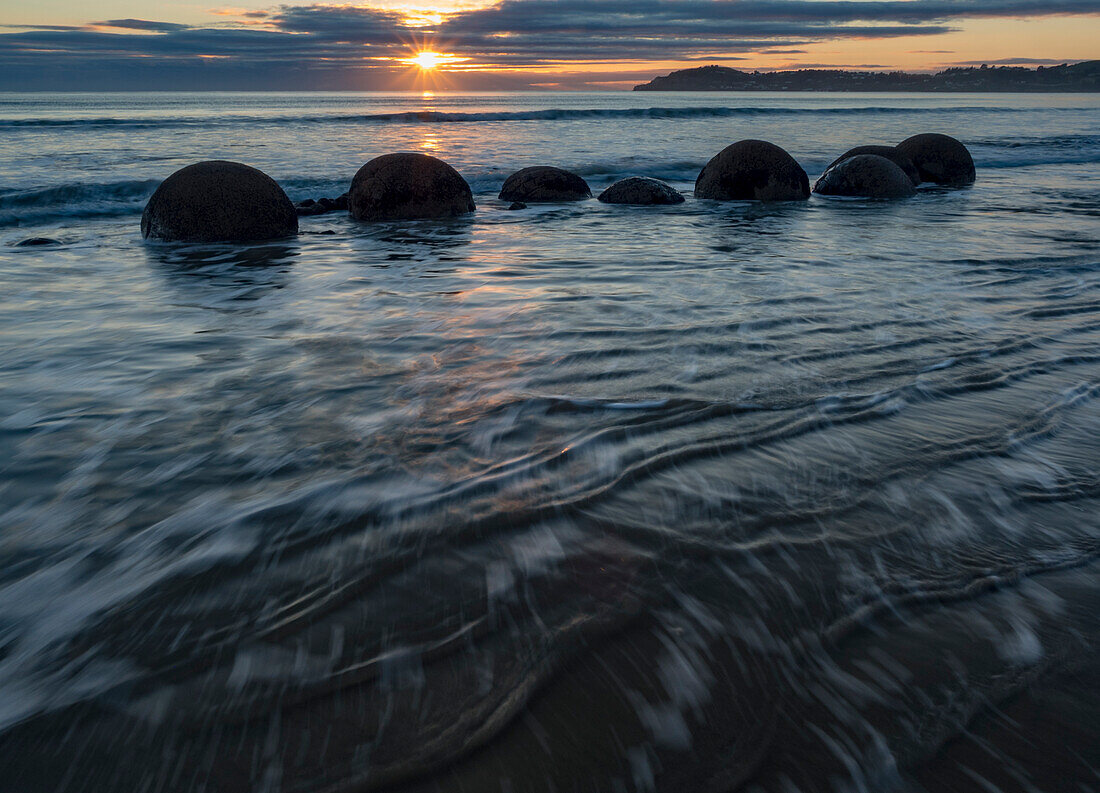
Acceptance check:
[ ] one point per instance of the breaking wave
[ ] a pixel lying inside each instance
(439, 117)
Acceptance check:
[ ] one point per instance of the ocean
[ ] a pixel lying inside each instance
(709, 497)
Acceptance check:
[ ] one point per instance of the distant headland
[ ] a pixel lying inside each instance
(1081, 77)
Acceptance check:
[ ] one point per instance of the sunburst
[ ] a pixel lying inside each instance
(428, 60)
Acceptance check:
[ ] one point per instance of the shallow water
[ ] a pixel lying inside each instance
(583, 497)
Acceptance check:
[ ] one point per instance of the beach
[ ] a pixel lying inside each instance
(714, 496)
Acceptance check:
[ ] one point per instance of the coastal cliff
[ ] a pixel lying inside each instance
(1081, 77)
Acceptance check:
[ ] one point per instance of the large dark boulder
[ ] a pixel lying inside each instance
(218, 201)
(940, 159)
(889, 152)
(408, 186)
(753, 170)
(867, 176)
(641, 190)
(544, 183)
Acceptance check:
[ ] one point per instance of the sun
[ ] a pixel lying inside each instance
(431, 61)
(427, 60)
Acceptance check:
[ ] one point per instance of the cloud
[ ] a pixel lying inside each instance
(854, 66)
(349, 46)
(1020, 62)
(44, 27)
(239, 12)
(140, 24)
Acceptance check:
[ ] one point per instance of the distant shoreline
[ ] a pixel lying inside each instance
(1077, 78)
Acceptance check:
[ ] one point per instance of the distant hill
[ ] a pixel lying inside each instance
(1081, 77)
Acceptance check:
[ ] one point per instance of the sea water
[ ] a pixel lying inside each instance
(709, 497)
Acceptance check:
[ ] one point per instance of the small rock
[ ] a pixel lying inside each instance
(342, 202)
(517, 205)
(308, 208)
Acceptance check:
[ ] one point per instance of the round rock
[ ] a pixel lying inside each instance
(866, 176)
(36, 242)
(544, 183)
(940, 159)
(408, 186)
(753, 170)
(889, 152)
(641, 190)
(218, 201)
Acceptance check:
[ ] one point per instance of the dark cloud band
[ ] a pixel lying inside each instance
(332, 39)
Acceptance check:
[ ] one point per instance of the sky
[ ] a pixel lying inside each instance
(511, 44)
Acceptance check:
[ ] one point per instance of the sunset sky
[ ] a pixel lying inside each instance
(510, 44)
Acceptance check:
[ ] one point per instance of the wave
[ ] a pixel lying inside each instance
(1023, 152)
(74, 199)
(1041, 142)
(440, 117)
(40, 204)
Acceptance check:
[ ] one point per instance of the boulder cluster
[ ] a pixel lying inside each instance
(220, 201)
(895, 171)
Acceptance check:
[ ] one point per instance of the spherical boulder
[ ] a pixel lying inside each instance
(408, 186)
(641, 190)
(940, 159)
(218, 201)
(866, 176)
(544, 183)
(36, 242)
(889, 152)
(752, 170)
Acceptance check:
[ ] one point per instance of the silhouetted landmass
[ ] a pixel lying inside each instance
(1081, 77)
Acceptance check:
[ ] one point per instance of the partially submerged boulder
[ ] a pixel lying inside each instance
(641, 190)
(753, 170)
(889, 152)
(36, 242)
(408, 186)
(544, 183)
(866, 176)
(940, 159)
(218, 201)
